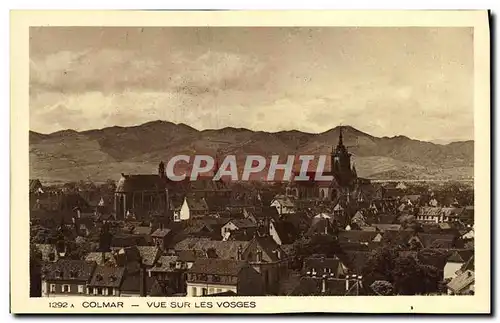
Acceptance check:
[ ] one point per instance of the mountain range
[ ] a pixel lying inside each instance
(103, 154)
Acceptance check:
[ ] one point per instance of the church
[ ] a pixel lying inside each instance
(147, 196)
(345, 181)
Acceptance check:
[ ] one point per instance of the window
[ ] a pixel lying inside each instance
(204, 291)
(52, 288)
(99, 291)
(66, 288)
(80, 288)
(210, 291)
(193, 291)
(110, 290)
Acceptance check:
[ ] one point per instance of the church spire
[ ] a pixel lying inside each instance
(341, 143)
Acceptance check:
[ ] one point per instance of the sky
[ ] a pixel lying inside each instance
(412, 81)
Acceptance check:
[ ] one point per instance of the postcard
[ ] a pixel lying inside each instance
(250, 162)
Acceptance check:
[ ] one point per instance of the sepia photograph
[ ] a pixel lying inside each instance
(212, 167)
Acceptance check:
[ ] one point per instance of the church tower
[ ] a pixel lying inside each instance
(341, 163)
(161, 170)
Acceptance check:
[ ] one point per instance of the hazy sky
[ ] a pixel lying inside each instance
(416, 82)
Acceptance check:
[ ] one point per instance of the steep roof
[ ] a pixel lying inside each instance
(357, 236)
(160, 233)
(105, 276)
(140, 182)
(223, 249)
(165, 264)
(461, 256)
(213, 266)
(65, 269)
(462, 281)
(149, 254)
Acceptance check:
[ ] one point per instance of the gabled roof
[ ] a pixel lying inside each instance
(462, 281)
(160, 233)
(196, 203)
(357, 236)
(387, 227)
(105, 276)
(165, 264)
(66, 270)
(97, 257)
(461, 256)
(243, 223)
(149, 254)
(284, 201)
(223, 249)
(213, 266)
(286, 231)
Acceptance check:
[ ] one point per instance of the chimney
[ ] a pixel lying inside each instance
(143, 285)
(323, 284)
(240, 252)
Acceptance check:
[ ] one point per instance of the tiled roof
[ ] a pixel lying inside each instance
(217, 266)
(243, 223)
(357, 236)
(165, 264)
(160, 233)
(223, 249)
(190, 255)
(149, 254)
(142, 230)
(461, 256)
(47, 249)
(105, 276)
(64, 269)
(387, 227)
(286, 231)
(462, 281)
(469, 265)
(430, 211)
(197, 203)
(97, 257)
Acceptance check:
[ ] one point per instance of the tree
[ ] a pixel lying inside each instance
(382, 287)
(35, 272)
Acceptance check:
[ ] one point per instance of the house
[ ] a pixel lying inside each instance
(48, 251)
(171, 270)
(236, 224)
(359, 236)
(455, 262)
(212, 248)
(36, 187)
(463, 284)
(387, 227)
(317, 266)
(192, 207)
(149, 254)
(136, 285)
(283, 204)
(283, 231)
(161, 237)
(106, 281)
(66, 277)
(210, 276)
(328, 286)
(268, 259)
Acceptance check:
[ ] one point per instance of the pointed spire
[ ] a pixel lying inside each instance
(340, 137)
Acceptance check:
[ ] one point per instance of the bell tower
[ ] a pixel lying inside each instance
(341, 162)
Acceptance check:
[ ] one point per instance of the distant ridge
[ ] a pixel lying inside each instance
(99, 154)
